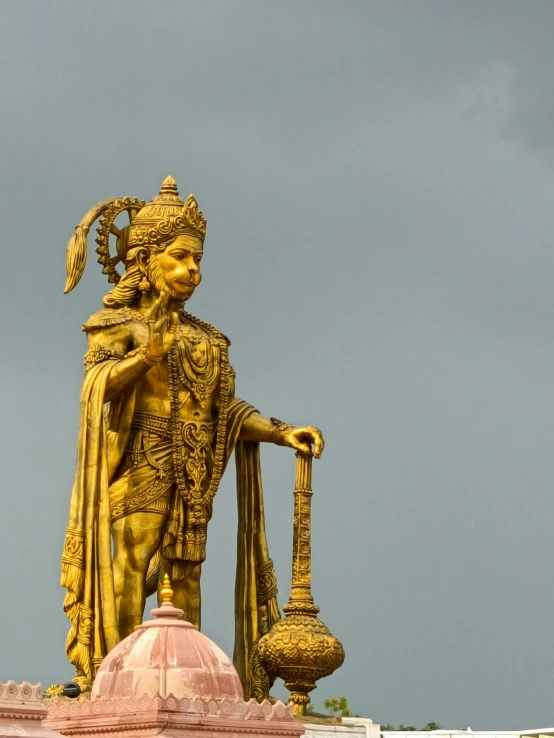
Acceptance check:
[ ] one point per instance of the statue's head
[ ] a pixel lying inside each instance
(161, 248)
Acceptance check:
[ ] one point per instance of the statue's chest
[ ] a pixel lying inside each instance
(198, 356)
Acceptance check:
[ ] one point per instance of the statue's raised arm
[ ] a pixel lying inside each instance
(159, 421)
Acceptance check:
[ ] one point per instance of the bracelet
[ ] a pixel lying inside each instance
(278, 432)
(144, 355)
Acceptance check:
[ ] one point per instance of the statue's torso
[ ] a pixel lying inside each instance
(198, 364)
(198, 353)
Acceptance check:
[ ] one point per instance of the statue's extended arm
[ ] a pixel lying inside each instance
(260, 429)
(304, 439)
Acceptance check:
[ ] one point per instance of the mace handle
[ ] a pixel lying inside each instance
(301, 585)
(303, 472)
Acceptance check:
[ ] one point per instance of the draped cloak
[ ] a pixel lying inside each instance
(87, 571)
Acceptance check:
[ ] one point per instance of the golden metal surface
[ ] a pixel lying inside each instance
(158, 422)
(300, 649)
(166, 592)
(55, 690)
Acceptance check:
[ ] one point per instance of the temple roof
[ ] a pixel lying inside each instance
(167, 656)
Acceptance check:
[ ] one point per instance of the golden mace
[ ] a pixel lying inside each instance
(300, 648)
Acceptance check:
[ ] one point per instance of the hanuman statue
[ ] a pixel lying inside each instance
(158, 422)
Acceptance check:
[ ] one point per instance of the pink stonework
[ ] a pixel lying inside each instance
(167, 656)
(168, 679)
(22, 710)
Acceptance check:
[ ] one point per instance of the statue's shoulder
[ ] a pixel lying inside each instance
(107, 318)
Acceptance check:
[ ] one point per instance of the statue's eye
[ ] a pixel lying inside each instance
(178, 255)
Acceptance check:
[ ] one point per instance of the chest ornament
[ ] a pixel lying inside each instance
(198, 361)
(197, 350)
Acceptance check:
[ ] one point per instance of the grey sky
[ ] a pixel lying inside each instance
(378, 181)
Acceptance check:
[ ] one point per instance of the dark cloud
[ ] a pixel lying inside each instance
(377, 178)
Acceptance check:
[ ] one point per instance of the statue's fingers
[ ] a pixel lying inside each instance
(319, 444)
(152, 312)
(315, 437)
(160, 324)
(172, 323)
(164, 299)
(304, 448)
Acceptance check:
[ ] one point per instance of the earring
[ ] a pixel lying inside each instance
(144, 285)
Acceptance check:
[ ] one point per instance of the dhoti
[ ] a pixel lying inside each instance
(145, 482)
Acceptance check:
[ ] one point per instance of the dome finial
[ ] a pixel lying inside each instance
(166, 608)
(166, 592)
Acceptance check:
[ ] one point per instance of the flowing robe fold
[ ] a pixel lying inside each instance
(87, 571)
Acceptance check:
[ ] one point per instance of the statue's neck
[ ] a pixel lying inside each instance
(147, 299)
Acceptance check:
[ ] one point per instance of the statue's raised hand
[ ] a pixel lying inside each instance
(162, 325)
(304, 439)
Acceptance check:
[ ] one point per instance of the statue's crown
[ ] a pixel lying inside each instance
(165, 216)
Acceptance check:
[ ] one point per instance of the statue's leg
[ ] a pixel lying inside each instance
(186, 591)
(136, 538)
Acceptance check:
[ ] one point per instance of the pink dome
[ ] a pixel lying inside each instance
(167, 656)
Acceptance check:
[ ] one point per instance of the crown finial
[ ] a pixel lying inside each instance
(169, 186)
(166, 591)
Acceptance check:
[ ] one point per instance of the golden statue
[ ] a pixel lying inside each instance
(158, 422)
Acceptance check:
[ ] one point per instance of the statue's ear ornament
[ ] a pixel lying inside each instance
(165, 216)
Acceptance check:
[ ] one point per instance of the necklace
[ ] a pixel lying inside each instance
(198, 365)
(198, 355)
(221, 434)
